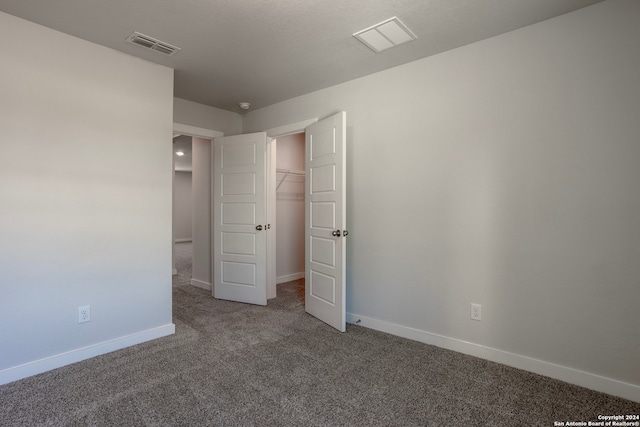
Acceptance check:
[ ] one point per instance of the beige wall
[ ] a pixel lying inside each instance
(206, 117)
(85, 190)
(503, 173)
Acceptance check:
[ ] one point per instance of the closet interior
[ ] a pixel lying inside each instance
(290, 188)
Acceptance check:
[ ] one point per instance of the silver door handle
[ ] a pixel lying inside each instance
(259, 227)
(336, 233)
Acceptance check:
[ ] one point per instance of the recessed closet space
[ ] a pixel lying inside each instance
(290, 188)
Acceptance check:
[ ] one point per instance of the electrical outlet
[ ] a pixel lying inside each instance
(84, 314)
(476, 312)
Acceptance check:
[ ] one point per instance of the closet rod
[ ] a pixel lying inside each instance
(286, 173)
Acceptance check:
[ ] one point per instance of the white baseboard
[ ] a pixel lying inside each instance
(289, 277)
(201, 284)
(48, 363)
(559, 372)
(183, 240)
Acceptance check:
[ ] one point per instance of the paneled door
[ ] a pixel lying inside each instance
(240, 218)
(325, 214)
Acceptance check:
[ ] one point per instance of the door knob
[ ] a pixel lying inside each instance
(345, 233)
(336, 233)
(259, 227)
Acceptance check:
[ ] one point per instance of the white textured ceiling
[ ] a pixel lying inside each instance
(266, 51)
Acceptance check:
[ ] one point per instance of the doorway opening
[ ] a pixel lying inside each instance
(244, 206)
(200, 201)
(290, 211)
(183, 206)
(281, 133)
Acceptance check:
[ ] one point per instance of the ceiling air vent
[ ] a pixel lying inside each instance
(387, 34)
(153, 44)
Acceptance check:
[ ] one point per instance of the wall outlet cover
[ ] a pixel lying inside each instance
(84, 314)
(476, 311)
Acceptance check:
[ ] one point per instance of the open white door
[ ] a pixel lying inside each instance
(239, 217)
(325, 215)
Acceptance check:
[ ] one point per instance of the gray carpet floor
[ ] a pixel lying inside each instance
(233, 364)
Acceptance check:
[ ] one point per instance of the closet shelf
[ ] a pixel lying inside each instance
(290, 171)
(287, 173)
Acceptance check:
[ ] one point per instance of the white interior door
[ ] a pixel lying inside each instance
(239, 217)
(325, 214)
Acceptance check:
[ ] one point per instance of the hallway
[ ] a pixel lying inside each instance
(183, 263)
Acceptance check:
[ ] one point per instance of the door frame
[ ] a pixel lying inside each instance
(280, 131)
(198, 132)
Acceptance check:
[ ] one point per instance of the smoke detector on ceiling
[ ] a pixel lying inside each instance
(385, 35)
(153, 44)
(245, 105)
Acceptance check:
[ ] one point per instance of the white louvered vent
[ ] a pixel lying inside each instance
(153, 44)
(385, 35)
